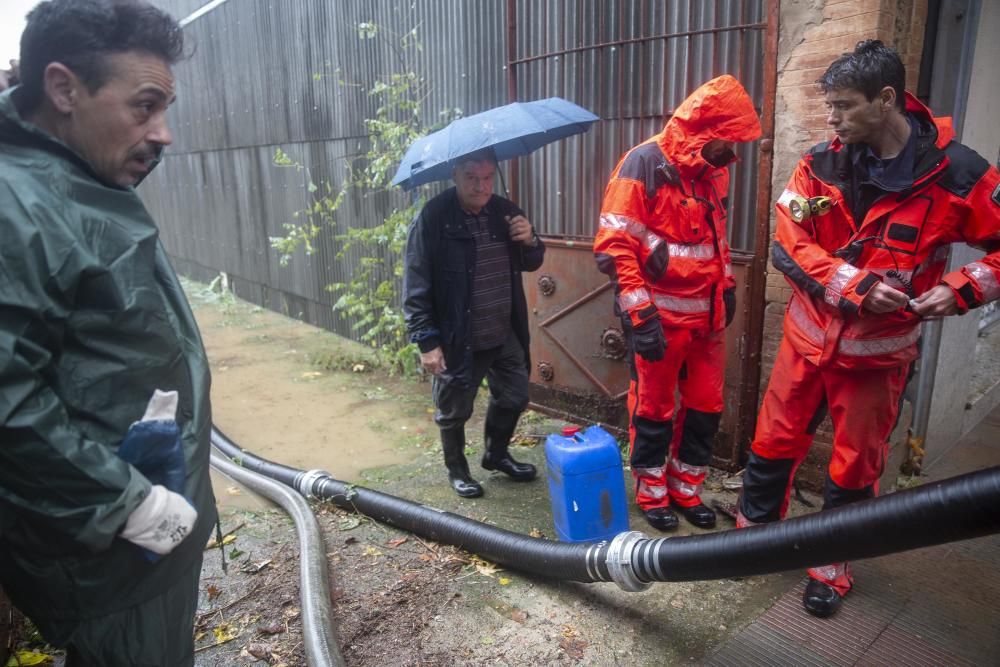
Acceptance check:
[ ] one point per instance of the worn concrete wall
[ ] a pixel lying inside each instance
(813, 33)
(952, 412)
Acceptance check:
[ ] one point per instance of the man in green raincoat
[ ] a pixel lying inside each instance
(105, 497)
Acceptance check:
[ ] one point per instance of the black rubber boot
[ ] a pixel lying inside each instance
(821, 599)
(661, 518)
(699, 515)
(453, 445)
(500, 425)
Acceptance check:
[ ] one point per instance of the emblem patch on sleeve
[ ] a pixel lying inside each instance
(996, 195)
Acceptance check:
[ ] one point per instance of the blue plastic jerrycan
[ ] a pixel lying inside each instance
(586, 484)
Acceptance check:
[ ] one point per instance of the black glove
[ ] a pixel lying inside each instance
(648, 340)
(729, 299)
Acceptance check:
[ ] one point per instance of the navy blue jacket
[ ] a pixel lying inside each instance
(440, 265)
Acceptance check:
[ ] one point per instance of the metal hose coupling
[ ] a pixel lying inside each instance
(305, 482)
(619, 561)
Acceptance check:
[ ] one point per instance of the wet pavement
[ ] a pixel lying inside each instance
(934, 606)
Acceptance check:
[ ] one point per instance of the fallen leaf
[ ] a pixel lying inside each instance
(259, 651)
(213, 591)
(311, 375)
(292, 612)
(29, 658)
(358, 368)
(519, 616)
(257, 567)
(573, 647)
(349, 523)
(235, 553)
(351, 540)
(228, 539)
(396, 542)
(504, 581)
(534, 532)
(484, 567)
(272, 628)
(234, 491)
(372, 551)
(225, 633)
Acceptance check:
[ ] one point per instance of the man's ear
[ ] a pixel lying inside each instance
(888, 97)
(61, 87)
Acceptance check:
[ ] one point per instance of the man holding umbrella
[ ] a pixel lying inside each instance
(465, 308)
(662, 240)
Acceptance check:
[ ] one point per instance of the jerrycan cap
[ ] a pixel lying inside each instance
(570, 431)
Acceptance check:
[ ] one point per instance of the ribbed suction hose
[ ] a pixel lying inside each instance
(946, 511)
(318, 631)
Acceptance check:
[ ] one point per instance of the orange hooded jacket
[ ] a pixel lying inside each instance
(902, 240)
(662, 235)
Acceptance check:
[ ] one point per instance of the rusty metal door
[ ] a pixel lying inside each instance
(632, 62)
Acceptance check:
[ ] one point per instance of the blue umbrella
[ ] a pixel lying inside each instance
(511, 130)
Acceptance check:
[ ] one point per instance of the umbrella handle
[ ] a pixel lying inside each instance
(503, 183)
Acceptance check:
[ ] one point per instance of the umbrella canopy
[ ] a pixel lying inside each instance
(511, 130)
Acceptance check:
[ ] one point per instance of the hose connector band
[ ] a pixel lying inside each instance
(620, 561)
(306, 480)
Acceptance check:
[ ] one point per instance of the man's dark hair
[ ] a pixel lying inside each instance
(80, 34)
(870, 68)
(482, 155)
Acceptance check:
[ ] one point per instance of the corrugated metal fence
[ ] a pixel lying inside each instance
(265, 74)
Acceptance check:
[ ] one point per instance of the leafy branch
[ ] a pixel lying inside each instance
(371, 295)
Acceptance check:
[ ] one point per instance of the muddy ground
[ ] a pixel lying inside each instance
(307, 398)
(310, 399)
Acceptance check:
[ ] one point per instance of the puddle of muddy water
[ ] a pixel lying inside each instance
(267, 397)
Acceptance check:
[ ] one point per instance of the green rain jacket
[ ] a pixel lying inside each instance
(92, 320)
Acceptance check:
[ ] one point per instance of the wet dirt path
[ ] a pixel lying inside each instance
(280, 390)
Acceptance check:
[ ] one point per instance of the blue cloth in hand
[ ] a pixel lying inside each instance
(154, 447)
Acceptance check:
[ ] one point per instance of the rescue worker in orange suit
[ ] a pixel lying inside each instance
(863, 230)
(662, 240)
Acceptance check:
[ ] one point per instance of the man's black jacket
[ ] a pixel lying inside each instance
(437, 283)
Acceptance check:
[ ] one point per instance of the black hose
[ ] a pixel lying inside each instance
(949, 510)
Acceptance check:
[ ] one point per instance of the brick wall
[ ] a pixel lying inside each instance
(813, 33)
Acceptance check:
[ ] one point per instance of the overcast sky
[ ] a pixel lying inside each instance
(11, 26)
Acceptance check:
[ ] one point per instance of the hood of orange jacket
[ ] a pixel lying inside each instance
(718, 109)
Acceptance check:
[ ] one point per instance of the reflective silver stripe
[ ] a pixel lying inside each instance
(835, 288)
(830, 572)
(788, 196)
(686, 468)
(680, 304)
(855, 347)
(986, 280)
(654, 492)
(649, 474)
(650, 240)
(660, 472)
(700, 251)
(623, 223)
(801, 318)
(871, 347)
(629, 300)
(682, 488)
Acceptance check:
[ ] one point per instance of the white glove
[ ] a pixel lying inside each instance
(162, 405)
(160, 522)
